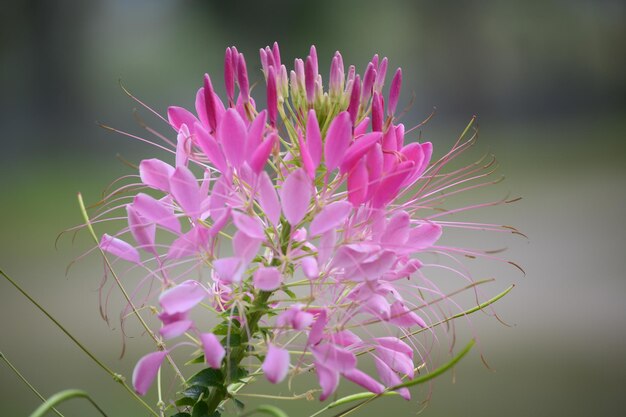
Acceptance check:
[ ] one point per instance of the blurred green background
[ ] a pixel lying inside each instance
(546, 79)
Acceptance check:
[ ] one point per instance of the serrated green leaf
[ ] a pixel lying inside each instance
(208, 377)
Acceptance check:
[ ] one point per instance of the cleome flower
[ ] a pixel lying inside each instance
(296, 238)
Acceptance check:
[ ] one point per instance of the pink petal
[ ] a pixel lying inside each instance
(328, 379)
(182, 297)
(373, 269)
(361, 128)
(295, 196)
(178, 328)
(358, 183)
(211, 148)
(338, 358)
(358, 149)
(154, 210)
(155, 173)
(262, 153)
(425, 235)
(364, 380)
(314, 138)
(377, 305)
(232, 136)
(229, 269)
(397, 231)
(190, 243)
(255, 134)
(317, 329)
(390, 378)
(268, 199)
(394, 92)
(183, 145)
(403, 317)
(119, 248)
(179, 116)
(142, 229)
(307, 162)
(146, 370)
(245, 247)
(309, 267)
(200, 105)
(390, 185)
(397, 361)
(185, 189)
(396, 344)
(276, 364)
(326, 246)
(267, 278)
(251, 226)
(337, 140)
(345, 338)
(330, 217)
(214, 352)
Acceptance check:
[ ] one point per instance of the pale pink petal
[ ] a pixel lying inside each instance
(295, 196)
(358, 183)
(156, 173)
(200, 105)
(396, 344)
(182, 297)
(373, 269)
(390, 378)
(179, 116)
(119, 248)
(338, 358)
(330, 217)
(317, 329)
(364, 380)
(142, 229)
(425, 235)
(377, 305)
(314, 138)
(262, 153)
(345, 338)
(403, 317)
(276, 364)
(183, 146)
(397, 361)
(156, 211)
(337, 140)
(190, 243)
(328, 379)
(268, 199)
(232, 136)
(245, 247)
(146, 370)
(251, 226)
(211, 148)
(326, 246)
(214, 352)
(307, 162)
(229, 269)
(185, 189)
(172, 330)
(267, 278)
(309, 267)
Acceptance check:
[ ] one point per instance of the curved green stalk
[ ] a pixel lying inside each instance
(266, 409)
(61, 397)
(32, 388)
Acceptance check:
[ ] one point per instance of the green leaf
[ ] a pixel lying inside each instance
(200, 410)
(208, 377)
(232, 341)
(197, 359)
(182, 415)
(192, 394)
(290, 293)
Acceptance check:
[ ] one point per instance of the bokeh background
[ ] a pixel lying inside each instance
(545, 77)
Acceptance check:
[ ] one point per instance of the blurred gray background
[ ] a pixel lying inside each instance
(545, 78)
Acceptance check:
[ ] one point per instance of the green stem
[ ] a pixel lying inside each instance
(64, 396)
(32, 388)
(117, 377)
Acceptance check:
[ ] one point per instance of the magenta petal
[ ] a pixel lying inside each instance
(179, 116)
(185, 189)
(182, 297)
(424, 236)
(397, 231)
(268, 199)
(183, 146)
(394, 92)
(338, 358)
(211, 148)
(214, 352)
(314, 138)
(317, 329)
(119, 248)
(295, 196)
(358, 149)
(364, 380)
(142, 230)
(156, 211)
(251, 226)
(330, 217)
(172, 330)
(146, 370)
(397, 361)
(232, 136)
(155, 173)
(396, 344)
(229, 269)
(328, 379)
(337, 140)
(267, 278)
(307, 162)
(276, 364)
(262, 153)
(255, 134)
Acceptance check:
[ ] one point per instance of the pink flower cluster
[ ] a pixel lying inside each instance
(305, 226)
